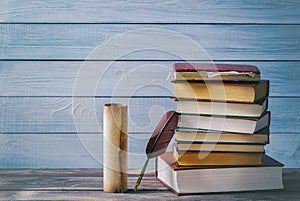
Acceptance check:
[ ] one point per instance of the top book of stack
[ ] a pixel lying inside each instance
(213, 72)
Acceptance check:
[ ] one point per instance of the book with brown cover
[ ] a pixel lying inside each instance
(220, 147)
(196, 158)
(222, 91)
(184, 180)
(210, 71)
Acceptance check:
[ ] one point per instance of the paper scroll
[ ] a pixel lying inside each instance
(115, 148)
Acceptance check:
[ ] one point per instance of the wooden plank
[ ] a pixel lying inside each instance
(221, 42)
(151, 11)
(69, 183)
(80, 188)
(19, 115)
(57, 78)
(284, 115)
(44, 151)
(13, 173)
(66, 179)
(285, 148)
(57, 115)
(85, 151)
(147, 195)
(65, 151)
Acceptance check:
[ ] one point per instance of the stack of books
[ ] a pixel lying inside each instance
(223, 127)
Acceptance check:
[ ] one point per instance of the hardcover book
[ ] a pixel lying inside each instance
(196, 158)
(193, 135)
(183, 146)
(222, 91)
(209, 71)
(227, 124)
(189, 106)
(206, 178)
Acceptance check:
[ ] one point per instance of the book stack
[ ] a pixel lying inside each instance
(223, 126)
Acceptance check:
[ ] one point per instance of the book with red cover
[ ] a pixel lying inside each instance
(210, 71)
(207, 178)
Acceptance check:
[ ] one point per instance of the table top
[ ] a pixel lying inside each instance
(86, 184)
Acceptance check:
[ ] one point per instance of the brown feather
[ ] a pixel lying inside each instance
(162, 134)
(160, 139)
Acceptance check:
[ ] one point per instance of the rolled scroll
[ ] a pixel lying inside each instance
(115, 148)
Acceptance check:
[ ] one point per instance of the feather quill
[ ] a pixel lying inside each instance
(160, 139)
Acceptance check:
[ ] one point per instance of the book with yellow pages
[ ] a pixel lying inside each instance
(260, 137)
(190, 106)
(194, 158)
(220, 147)
(222, 91)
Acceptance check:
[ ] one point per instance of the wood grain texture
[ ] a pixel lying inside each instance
(221, 42)
(175, 11)
(285, 148)
(85, 151)
(85, 184)
(64, 151)
(40, 131)
(56, 114)
(63, 179)
(130, 78)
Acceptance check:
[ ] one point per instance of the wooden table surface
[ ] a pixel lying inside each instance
(86, 184)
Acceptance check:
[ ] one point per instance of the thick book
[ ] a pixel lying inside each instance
(207, 179)
(183, 146)
(189, 106)
(196, 158)
(227, 124)
(222, 91)
(209, 71)
(193, 135)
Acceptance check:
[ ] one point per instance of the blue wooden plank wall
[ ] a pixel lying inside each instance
(45, 43)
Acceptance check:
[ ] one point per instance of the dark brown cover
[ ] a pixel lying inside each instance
(162, 134)
(210, 67)
(168, 158)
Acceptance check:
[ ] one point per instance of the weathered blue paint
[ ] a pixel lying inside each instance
(36, 123)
